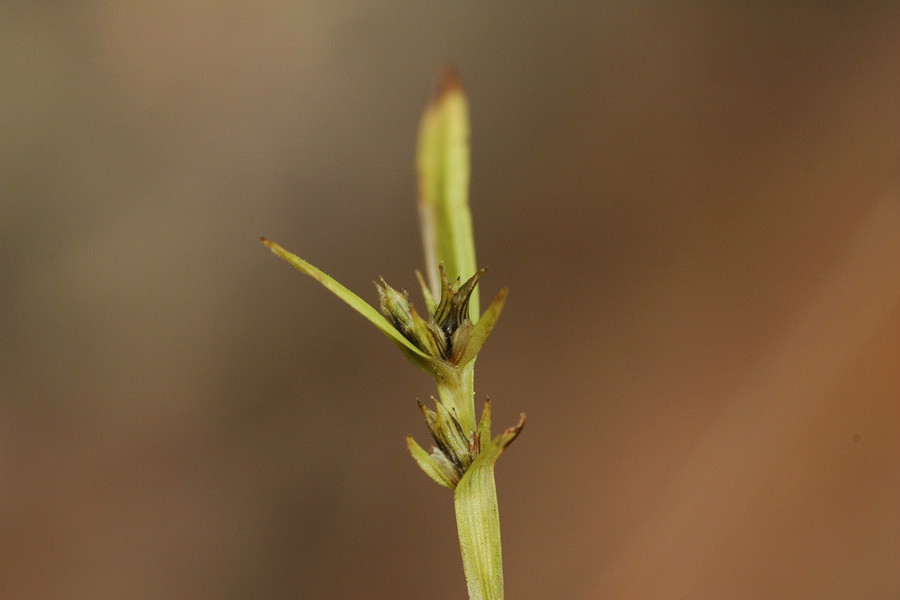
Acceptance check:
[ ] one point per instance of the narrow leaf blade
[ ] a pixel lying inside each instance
(355, 302)
(444, 169)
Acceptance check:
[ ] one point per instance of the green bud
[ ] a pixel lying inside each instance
(402, 314)
(428, 336)
(453, 309)
(396, 307)
(460, 341)
(445, 466)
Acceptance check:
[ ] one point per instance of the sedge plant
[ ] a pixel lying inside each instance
(446, 341)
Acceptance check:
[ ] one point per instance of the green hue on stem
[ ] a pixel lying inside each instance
(455, 391)
(478, 527)
(478, 515)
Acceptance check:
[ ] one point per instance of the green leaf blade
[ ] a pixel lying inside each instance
(356, 303)
(443, 163)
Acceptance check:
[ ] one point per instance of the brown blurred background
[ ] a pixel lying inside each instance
(696, 207)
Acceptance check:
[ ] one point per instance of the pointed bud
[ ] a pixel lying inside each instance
(397, 308)
(460, 342)
(452, 436)
(446, 467)
(430, 338)
(453, 308)
(449, 334)
(447, 434)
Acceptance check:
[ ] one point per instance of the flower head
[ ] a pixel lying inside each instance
(447, 333)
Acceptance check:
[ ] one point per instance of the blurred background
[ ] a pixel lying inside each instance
(696, 207)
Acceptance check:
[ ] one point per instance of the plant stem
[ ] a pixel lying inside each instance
(478, 527)
(444, 166)
(456, 391)
(475, 497)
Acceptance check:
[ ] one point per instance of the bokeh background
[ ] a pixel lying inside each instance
(696, 206)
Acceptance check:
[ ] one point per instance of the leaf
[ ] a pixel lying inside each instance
(443, 164)
(358, 304)
(483, 328)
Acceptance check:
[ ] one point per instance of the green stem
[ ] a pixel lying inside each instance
(475, 497)
(444, 167)
(478, 526)
(457, 392)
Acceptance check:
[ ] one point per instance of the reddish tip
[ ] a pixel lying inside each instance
(513, 432)
(448, 81)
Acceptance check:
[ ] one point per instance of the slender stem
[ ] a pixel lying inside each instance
(456, 390)
(478, 526)
(475, 497)
(444, 167)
